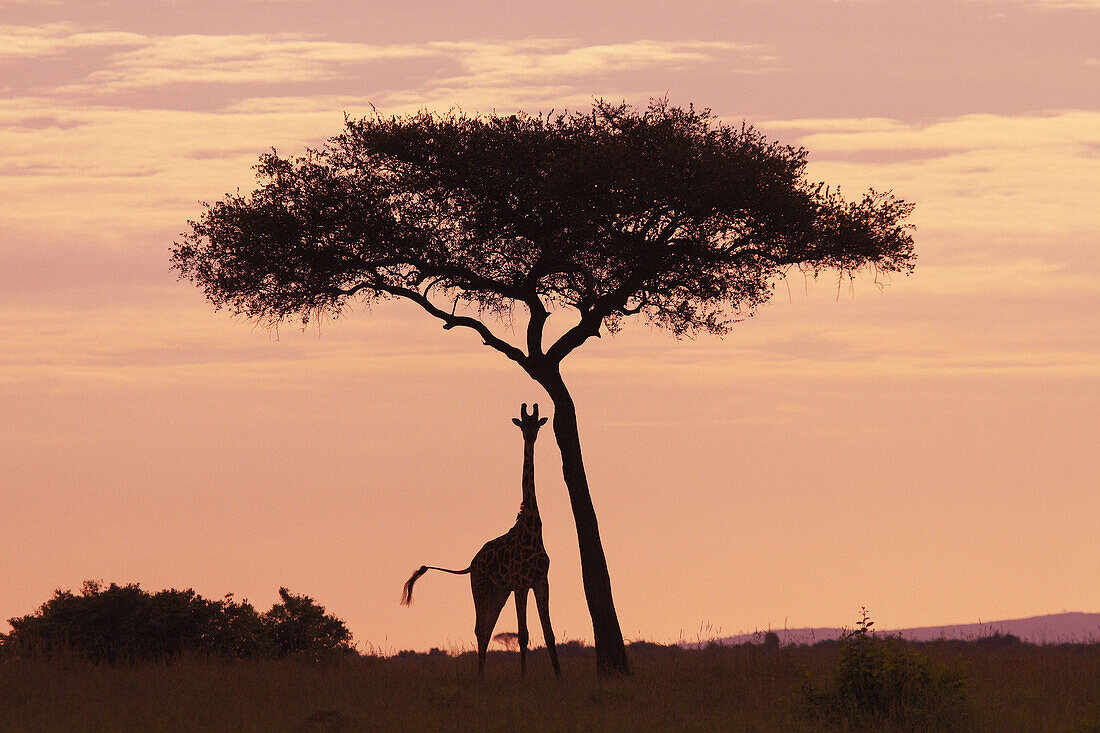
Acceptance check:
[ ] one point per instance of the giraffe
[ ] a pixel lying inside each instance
(515, 562)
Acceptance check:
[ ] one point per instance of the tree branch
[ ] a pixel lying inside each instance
(592, 318)
(587, 327)
(670, 229)
(450, 320)
(535, 326)
(455, 274)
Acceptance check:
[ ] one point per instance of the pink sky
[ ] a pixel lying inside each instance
(927, 450)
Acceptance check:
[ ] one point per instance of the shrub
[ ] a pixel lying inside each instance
(116, 623)
(125, 623)
(880, 679)
(299, 626)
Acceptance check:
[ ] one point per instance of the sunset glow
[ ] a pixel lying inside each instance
(924, 446)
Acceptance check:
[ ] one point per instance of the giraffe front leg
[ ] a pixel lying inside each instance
(542, 601)
(521, 618)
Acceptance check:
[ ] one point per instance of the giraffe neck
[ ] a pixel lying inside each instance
(529, 508)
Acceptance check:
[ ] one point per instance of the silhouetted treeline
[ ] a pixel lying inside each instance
(125, 623)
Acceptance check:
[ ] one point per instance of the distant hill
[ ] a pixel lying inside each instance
(1060, 628)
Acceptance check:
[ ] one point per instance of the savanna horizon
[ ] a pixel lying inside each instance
(922, 449)
(1066, 628)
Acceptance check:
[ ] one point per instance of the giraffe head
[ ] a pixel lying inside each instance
(529, 424)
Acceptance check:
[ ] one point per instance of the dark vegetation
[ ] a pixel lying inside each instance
(1015, 687)
(508, 639)
(860, 683)
(116, 624)
(662, 213)
(880, 680)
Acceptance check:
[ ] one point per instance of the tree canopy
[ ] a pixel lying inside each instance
(665, 212)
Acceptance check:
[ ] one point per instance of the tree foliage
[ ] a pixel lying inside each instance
(663, 212)
(299, 626)
(125, 623)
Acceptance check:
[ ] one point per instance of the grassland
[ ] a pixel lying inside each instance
(1007, 687)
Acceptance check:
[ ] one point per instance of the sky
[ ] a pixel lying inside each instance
(924, 447)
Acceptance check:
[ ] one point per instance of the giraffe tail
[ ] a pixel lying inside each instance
(407, 593)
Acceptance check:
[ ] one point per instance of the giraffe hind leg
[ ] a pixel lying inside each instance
(521, 619)
(542, 600)
(488, 602)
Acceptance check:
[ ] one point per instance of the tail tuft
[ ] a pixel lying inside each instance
(407, 593)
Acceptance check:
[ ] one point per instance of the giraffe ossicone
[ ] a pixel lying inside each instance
(515, 562)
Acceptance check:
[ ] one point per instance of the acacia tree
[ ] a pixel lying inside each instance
(663, 213)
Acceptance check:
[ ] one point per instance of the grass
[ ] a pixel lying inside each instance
(1007, 686)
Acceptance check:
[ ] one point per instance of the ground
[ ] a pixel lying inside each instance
(1007, 686)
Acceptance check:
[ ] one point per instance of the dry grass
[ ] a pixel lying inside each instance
(1008, 687)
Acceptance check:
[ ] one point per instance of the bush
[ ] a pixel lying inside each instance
(301, 627)
(125, 623)
(886, 680)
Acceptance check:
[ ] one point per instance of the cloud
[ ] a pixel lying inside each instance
(1017, 178)
(1071, 128)
(518, 61)
(559, 73)
(27, 42)
(77, 146)
(239, 59)
(111, 177)
(288, 58)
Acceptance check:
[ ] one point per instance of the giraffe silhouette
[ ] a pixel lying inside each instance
(515, 562)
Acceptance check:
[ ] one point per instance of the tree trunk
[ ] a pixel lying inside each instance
(610, 652)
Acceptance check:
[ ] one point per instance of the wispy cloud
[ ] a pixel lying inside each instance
(239, 59)
(138, 61)
(1071, 128)
(1032, 178)
(26, 42)
(560, 72)
(283, 58)
(519, 61)
(64, 142)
